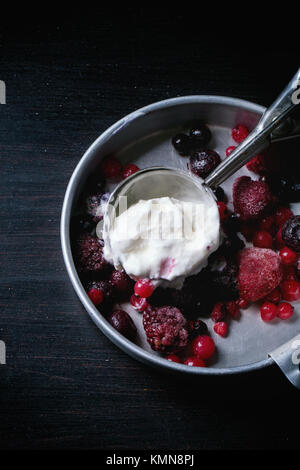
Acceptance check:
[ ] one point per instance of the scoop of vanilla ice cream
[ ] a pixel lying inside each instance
(164, 239)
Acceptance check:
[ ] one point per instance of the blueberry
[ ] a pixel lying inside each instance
(220, 194)
(181, 143)
(204, 162)
(200, 135)
(291, 233)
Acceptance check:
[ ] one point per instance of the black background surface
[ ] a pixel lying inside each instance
(69, 76)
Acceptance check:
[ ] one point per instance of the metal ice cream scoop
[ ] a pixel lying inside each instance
(280, 121)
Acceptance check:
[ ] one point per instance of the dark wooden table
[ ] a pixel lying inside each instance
(65, 385)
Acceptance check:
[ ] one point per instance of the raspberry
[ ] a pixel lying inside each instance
(143, 288)
(123, 323)
(257, 165)
(229, 150)
(122, 283)
(139, 303)
(166, 329)
(221, 328)
(96, 296)
(268, 311)
(259, 274)
(274, 296)
(232, 309)
(111, 168)
(285, 311)
(129, 170)
(173, 358)
(239, 133)
(263, 239)
(89, 254)
(194, 362)
(291, 233)
(288, 257)
(223, 211)
(290, 290)
(251, 199)
(219, 312)
(282, 215)
(204, 162)
(203, 347)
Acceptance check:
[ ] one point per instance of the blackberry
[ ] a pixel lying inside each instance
(166, 329)
(224, 282)
(88, 252)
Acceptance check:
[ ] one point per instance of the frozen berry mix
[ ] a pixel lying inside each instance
(266, 270)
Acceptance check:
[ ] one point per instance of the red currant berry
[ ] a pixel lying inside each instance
(288, 256)
(221, 328)
(143, 288)
(223, 211)
(285, 311)
(263, 239)
(139, 303)
(268, 311)
(290, 290)
(239, 133)
(282, 215)
(111, 168)
(194, 362)
(96, 296)
(243, 304)
(129, 170)
(229, 150)
(274, 296)
(173, 358)
(203, 346)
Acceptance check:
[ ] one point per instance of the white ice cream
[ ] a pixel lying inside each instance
(164, 238)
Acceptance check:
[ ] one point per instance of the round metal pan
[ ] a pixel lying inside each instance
(144, 137)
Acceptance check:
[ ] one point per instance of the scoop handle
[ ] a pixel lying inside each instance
(260, 137)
